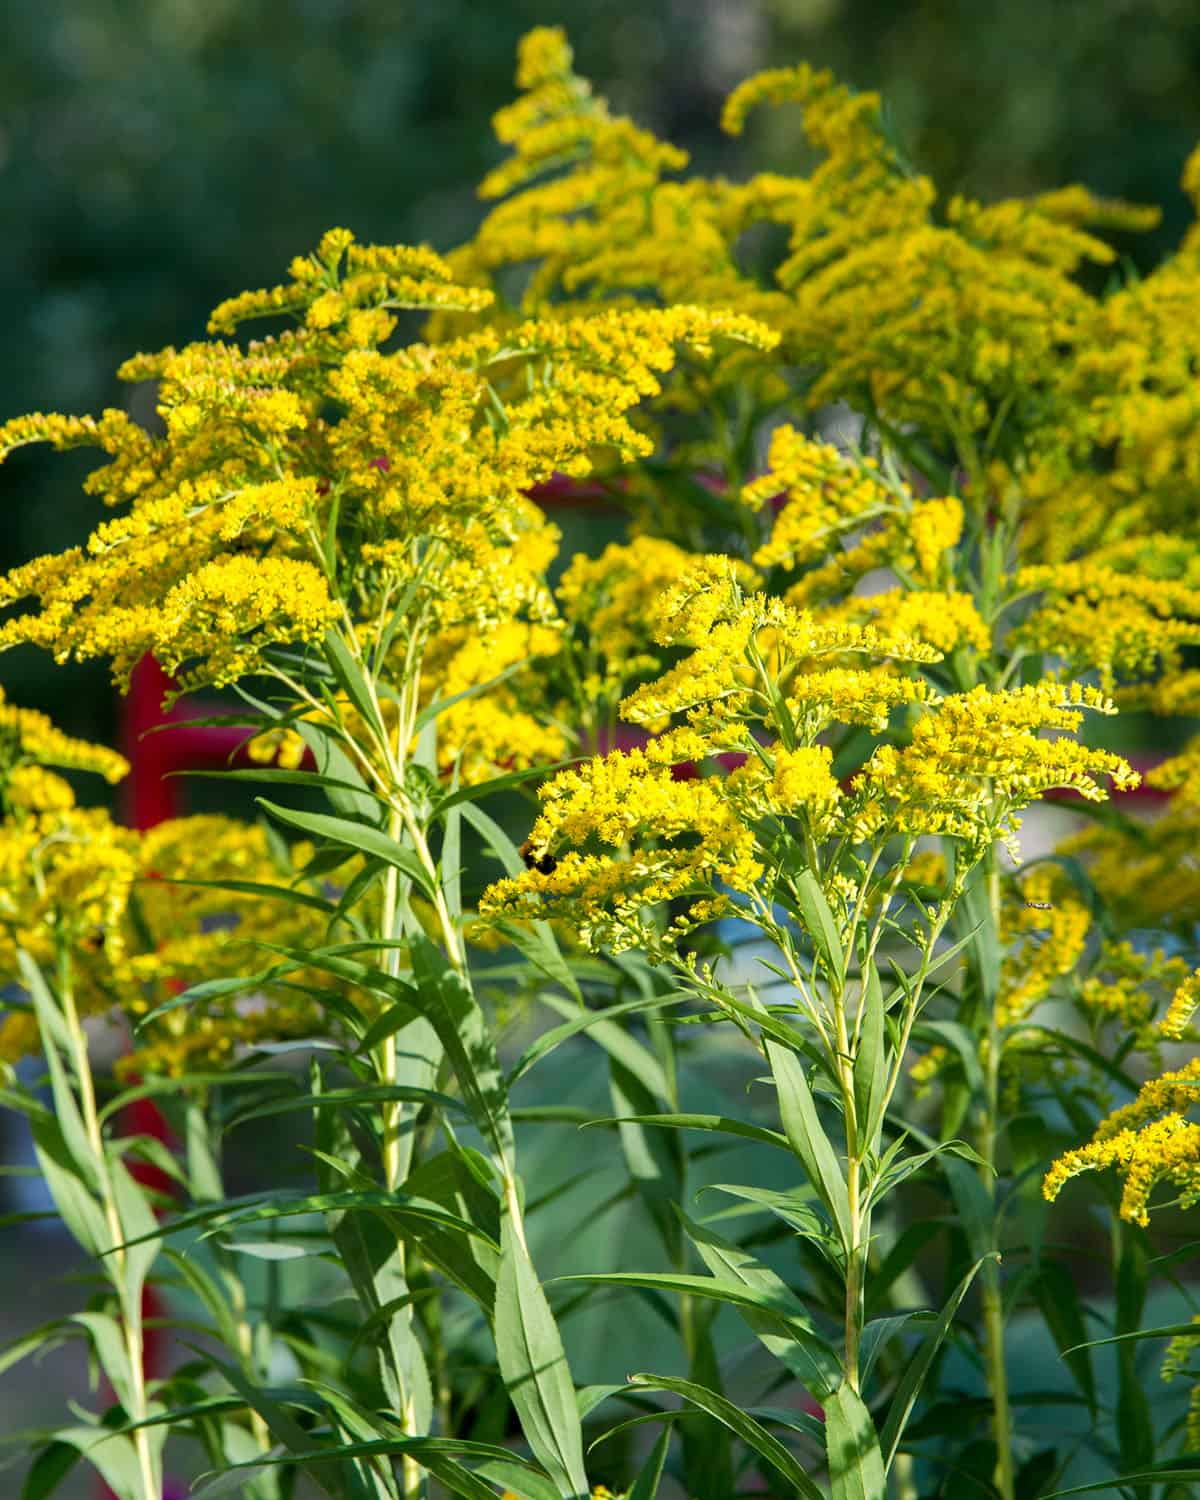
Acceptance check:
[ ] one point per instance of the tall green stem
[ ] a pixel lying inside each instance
(859, 1239)
(995, 1368)
(128, 1296)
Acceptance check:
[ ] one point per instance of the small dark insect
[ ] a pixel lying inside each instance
(546, 865)
(1041, 905)
(94, 941)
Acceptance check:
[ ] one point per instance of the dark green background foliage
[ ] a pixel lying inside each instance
(157, 155)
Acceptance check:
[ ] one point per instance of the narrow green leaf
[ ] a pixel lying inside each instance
(450, 862)
(280, 777)
(871, 1061)
(973, 1204)
(79, 1210)
(536, 941)
(617, 1042)
(495, 840)
(1057, 1298)
(751, 1432)
(1164, 1331)
(361, 837)
(57, 1043)
(48, 1470)
(462, 1029)
(344, 1098)
(910, 1385)
(477, 790)
(336, 766)
(795, 1207)
(715, 1124)
(645, 1486)
(807, 1137)
(818, 919)
(1148, 1476)
(112, 1454)
(210, 989)
(352, 681)
(856, 1469)
(108, 1341)
(534, 1367)
(282, 1425)
(795, 1342)
(439, 705)
(550, 1040)
(957, 1039)
(519, 1478)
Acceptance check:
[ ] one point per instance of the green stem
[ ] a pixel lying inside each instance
(995, 1368)
(128, 1297)
(858, 1240)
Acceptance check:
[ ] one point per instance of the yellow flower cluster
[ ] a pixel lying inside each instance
(1184, 1004)
(1166, 1151)
(1110, 615)
(1148, 1141)
(825, 498)
(1179, 774)
(504, 728)
(783, 783)
(1039, 946)
(675, 839)
(1129, 987)
(978, 757)
(608, 601)
(744, 643)
(942, 620)
(313, 458)
(188, 930)
(65, 872)
(29, 740)
(118, 907)
(343, 281)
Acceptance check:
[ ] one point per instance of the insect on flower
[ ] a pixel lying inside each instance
(1040, 905)
(544, 864)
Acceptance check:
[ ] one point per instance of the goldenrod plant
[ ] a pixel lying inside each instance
(910, 493)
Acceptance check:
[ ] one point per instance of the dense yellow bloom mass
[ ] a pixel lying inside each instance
(1167, 1151)
(1148, 1141)
(1148, 874)
(313, 468)
(1113, 613)
(682, 838)
(979, 756)
(113, 908)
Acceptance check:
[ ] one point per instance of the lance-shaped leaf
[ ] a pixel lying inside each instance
(807, 1137)
(534, 1366)
(856, 1469)
(361, 837)
(780, 1320)
(910, 1386)
(819, 922)
(753, 1433)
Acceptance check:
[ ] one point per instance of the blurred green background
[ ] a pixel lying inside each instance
(157, 155)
